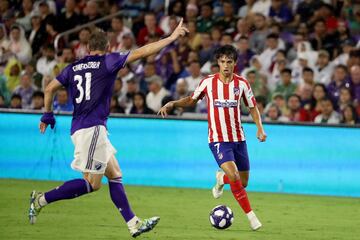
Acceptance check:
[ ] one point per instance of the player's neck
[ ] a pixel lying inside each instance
(226, 78)
(96, 52)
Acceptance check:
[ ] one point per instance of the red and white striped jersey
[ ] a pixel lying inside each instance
(223, 104)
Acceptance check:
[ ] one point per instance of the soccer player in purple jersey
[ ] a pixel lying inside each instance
(90, 82)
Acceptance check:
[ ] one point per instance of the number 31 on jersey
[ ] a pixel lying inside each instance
(79, 86)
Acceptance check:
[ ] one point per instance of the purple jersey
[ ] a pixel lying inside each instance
(90, 82)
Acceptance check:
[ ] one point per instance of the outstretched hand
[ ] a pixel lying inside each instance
(165, 109)
(180, 30)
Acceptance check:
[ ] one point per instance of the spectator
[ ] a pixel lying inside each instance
(206, 48)
(244, 54)
(349, 115)
(46, 62)
(273, 114)
(278, 65)
(115, 106)
(25, 90)
(261, 7)
(24, 16)
(69, 16)
(286, 87)
(355, 80)
(227, 22)
(279, 100)
(176, 10)
(324, 68)
(280, 12)
(328, 114)
(139, 105)
(91, 13)
(132, 87)
(320, 39)
(38, 35)
(257, 83)
(5, 54)
(194, 36)
(151, 28)
(47, 17)
(226, 39)
(19, 46)
(216, 36)
(37, 102)
(63, 102)
(117, 25)
(4, 92)
(267, 56)
(245, 10)
(156, 93)
(319, 93)
(2, 102)
(191, 12)
(242, 27)
(12, 74)
(258, 37)
(80, 49)
(344, 52)
(345, 98)
(15, 102)
(205, 21)
(295, 112)
(340, 79)
(261, 104)
(195, 75)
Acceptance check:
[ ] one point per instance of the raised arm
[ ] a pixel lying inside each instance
(183, 102)
(155, 47)
(48, 116)
(255, 114)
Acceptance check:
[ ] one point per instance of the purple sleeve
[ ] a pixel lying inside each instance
(63, 77)
(115, 61)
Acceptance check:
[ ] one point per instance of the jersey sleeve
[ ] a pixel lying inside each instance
(63, 77)
(115, 61)
(248, 95)
(200, 91)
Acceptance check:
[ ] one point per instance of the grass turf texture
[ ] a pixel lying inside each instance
(184, 215)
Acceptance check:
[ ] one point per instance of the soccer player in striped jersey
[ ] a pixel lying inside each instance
(223, 92)
(90, 81)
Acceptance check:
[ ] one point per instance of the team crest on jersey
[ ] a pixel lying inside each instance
(220, 156)
(236, 91)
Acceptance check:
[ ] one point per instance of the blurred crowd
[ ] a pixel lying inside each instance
(301, 57)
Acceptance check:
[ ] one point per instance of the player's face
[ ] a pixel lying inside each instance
(226, 65)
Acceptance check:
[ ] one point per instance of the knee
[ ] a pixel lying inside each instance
(95, 185)
(244, 183)
(233, 176)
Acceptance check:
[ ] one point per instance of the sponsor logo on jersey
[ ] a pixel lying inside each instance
(225, 103)
(98, 166)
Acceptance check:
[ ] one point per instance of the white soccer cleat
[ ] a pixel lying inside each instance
(218, 189)
(255, 224)
(143, 226)
(35, 207)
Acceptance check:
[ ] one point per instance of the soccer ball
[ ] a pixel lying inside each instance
(221, 217)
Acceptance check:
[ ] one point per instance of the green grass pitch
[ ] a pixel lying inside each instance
(184, 215)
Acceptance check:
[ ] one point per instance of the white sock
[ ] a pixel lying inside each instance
(221, 182)
(250, 215)
(42, 201)
(132, 222)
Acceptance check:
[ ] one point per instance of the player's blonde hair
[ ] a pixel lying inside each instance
(98, 41)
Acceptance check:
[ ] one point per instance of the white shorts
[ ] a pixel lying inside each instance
(93, 150)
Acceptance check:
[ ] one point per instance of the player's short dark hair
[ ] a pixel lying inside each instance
(286, 70)
(98, 41)
(307, 69)
(226, 50)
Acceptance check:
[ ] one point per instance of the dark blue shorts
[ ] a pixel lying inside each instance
(231, 151)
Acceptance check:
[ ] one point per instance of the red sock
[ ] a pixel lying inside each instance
(226, 179)
(240, 195)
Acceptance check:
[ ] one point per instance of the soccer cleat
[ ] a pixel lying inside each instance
(255, 224)
(143, 226)
(35, 207)
(218, 189)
